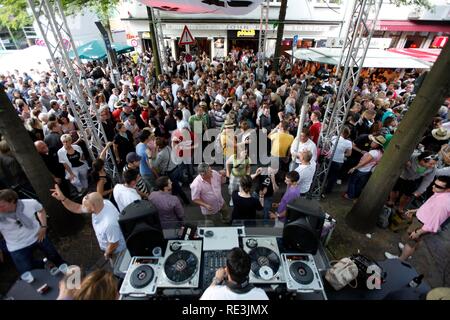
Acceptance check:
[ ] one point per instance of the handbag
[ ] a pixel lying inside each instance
(342, 273)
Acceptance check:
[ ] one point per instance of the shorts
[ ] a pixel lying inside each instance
(407, 187)
(415, 225)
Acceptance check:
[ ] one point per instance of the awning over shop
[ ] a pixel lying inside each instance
(429, 55)
(97, 50)
(375, 58)
(406, 25)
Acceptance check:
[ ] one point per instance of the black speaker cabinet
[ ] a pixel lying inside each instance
(306, 208)
(141, 228)
(298, 236)
(303, 227)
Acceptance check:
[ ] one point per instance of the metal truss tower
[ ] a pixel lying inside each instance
(157, 25)
(52, 24)
(353, 53)
(263, 25)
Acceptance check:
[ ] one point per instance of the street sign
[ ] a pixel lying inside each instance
(294, 43)
(186, 37)
(134, 42)
(188, 57)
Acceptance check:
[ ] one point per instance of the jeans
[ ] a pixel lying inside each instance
(267, 205)
(175, 177)
(356, 183)
(81, 173)
(23, 258)
(333, 176)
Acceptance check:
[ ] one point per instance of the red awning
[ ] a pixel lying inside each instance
(406, 25)
(429, 55)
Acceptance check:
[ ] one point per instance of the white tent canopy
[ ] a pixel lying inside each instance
(34, 57)
(375, 58)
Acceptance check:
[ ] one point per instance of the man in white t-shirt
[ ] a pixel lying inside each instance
(23, 224)
(126, 193)
(306, 172)
(343, 150)
(104, 220)
(232, 281)
(302, 143)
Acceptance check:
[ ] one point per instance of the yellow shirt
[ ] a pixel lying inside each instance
(228, 142)
(281, 142)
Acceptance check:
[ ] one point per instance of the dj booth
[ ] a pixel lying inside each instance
(177, 260)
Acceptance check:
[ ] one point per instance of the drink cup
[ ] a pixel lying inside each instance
(63, 268)
(157, 252)
(54, 271)
(27, 277)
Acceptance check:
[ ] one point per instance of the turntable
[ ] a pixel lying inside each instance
(302, 274)
(141, 277)
(266, 265)
(181, 264)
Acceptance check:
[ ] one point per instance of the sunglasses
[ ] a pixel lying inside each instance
(439, 187)
(432, 157)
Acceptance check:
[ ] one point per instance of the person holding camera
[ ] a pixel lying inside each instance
(232, 281)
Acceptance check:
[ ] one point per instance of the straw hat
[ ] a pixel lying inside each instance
(229, 124)
(143, 103)
(380, 140)
(439, 294)
(440, 134)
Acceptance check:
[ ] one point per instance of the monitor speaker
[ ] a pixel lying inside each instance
(141, 228)
(303, 227)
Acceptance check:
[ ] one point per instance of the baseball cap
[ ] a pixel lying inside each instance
(132, 157)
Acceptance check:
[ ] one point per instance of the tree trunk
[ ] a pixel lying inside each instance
(155, 53)
(431, 95)
(280, 31)
(60, 220)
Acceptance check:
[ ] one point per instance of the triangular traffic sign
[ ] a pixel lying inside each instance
(186, 37)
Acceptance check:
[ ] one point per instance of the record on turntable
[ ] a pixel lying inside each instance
(141, 277)
(265, 260)
(181, 265)
(302, 274)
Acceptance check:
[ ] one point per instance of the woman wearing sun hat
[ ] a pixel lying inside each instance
(360, 173)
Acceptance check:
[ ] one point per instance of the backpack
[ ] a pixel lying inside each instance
(384, 217)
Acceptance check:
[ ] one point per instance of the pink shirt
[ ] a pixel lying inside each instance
(434, 211)
(208, 193)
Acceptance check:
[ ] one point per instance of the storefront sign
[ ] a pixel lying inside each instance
(246, 33)
(243, 34)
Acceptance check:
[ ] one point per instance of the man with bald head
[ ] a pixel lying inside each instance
(51, 161)
(104, 220)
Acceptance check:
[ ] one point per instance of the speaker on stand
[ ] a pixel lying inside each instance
(141, 228)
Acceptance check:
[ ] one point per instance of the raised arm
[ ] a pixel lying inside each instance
(67, 203)
(105, 150)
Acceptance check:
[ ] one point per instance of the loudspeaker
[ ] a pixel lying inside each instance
(141, 228)
(300, 237)
(308, 209)
(303, 227)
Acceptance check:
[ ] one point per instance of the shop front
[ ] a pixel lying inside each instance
(246, 39)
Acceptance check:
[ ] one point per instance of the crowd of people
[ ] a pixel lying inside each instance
(154, 126)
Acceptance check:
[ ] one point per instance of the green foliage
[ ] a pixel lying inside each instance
(415, 3)
(13, 14)
(103, 8)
